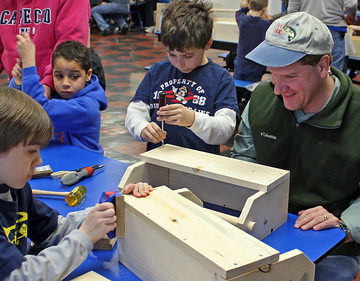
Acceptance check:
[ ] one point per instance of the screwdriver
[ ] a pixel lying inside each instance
(162, 102)
(74, 177)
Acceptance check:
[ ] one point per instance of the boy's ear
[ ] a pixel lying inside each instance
(208, 44)
(88, 75)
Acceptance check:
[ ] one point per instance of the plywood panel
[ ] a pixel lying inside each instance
(216, 167)
(191, 232)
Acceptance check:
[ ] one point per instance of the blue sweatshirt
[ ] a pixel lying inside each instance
(77, 120)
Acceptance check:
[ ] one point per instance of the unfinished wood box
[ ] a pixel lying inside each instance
(259, 192)
(170, 238)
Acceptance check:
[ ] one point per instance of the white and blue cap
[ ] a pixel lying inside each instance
(290, 38)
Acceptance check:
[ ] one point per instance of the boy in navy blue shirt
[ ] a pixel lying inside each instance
(201, 99)
(253, 21)
(25, 127)
(75, 106)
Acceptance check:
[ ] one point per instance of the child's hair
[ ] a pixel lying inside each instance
(258, 5)
(73, 50)
(186, 24)
(22, 119)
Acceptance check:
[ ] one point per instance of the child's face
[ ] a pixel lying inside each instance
(188, 60)
(69, 78)
(17, 165)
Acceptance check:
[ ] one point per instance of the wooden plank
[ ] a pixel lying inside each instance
(212, 191)
(264, 212)
(120, 216)
(171, 238)
(293, 266)
(216, 167)
(145, 172)
(90, 276)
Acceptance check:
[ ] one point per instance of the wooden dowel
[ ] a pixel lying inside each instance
(46, 192)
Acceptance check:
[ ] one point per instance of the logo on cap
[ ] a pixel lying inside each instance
(291, 33)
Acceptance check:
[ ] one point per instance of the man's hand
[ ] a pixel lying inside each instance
(153, 133)
(317, 218)
(176, 114)
(26, 49)
(100, 220)
(140, 189)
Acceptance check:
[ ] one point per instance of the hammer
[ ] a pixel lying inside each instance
(72, 198)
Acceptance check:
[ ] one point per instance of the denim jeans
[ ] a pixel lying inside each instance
(337, 268)
(338, 52)
(118, 12)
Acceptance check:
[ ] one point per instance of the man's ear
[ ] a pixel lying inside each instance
(323, 65)
(88, 75)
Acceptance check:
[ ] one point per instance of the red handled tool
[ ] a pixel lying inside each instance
(78, 175)
(162, 102)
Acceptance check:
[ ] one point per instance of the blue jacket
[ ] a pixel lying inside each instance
(77, 120)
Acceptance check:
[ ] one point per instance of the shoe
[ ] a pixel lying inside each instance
(150, 29)
(124, 29)
(106, 31)
(116, 30)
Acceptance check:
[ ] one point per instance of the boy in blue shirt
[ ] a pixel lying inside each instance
(201, 99)
(75, 106)
(24, 129)
(253, 21)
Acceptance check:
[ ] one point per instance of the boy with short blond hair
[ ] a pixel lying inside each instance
(201, 99)
(25, 127)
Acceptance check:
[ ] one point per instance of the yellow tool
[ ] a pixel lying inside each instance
(72, 198)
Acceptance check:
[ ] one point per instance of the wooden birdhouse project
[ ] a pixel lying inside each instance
(170, 236)
(259, 192)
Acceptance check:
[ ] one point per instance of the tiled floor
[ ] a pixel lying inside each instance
(124, 58)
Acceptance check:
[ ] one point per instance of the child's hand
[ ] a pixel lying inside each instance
(153, 133)
(176, 114)
(140, 189)
(17, 72)
(26, 49)
(99, 221)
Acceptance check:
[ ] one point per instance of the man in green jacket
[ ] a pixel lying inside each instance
(307, 121)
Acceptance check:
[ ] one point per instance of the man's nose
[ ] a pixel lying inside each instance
(280, 87)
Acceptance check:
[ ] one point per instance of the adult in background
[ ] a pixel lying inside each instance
(306, 120)
(335, 14)
(118, 10)
(48, 23)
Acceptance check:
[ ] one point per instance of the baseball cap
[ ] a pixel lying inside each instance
(290, 38)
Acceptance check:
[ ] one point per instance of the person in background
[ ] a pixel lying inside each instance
(201, 105)
(75, 105)
(335, 14)
(306, 121)
(118, 10)
(48, 23)
(253, 21)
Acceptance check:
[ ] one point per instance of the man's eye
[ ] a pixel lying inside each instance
(74, 77)
(58, 76)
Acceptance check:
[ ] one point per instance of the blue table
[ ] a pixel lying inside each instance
(63, 157)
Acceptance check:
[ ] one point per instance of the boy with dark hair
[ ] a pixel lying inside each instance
(253, 21)
(24, 129)
(201, 105)
(75, 106)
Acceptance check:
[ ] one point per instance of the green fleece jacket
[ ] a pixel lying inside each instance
(322, 154)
